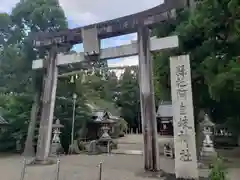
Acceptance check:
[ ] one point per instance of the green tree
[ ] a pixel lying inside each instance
(5, 29)
(17, 51)
(64, 110)
(16, 110)
(210, 34)
(128, 98)
(39, 15)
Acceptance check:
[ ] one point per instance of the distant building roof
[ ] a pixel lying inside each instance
(3, 121)
(99, 113)
(165, 109)
(207, 122)
(102, 116)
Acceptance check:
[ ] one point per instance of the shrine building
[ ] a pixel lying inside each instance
(165, 118)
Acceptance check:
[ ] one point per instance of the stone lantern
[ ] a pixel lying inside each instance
(207, 127)
(56, 143)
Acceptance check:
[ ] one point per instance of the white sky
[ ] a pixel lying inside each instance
(83, 12)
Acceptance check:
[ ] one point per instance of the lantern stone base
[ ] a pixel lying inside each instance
(55, 149)
(74, 148)
(208, 153)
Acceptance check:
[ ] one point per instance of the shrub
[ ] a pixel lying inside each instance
(120, 128)
(218, 170)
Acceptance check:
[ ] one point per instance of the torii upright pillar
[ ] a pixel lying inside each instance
(48, 105)
(148, 114)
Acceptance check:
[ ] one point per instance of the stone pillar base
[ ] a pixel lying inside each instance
(49, 161)
(151, 174)
(166, 176)
(208, 154)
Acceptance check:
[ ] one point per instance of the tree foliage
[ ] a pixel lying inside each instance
(16, 110)
(17, 54)
(128, 98)
(211, 35)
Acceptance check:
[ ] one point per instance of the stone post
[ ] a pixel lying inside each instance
(186, 166)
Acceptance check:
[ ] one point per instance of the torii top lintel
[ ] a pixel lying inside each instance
(120, 26)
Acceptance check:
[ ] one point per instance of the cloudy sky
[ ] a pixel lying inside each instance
(84, 12)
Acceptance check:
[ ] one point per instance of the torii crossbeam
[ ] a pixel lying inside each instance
(116, 27)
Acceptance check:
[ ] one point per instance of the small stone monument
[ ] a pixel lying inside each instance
(56, 143)
(207, 147)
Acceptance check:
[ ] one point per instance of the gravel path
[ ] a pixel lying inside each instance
(84, 167)
(76, 167)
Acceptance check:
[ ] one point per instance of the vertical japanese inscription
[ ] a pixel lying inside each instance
(182, 122)
(181, 82)
(184, 132)
(181, 88)
(185, 154)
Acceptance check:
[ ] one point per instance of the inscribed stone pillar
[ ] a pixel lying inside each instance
(183, 119)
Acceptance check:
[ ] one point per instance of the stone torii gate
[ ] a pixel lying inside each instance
(90, 36)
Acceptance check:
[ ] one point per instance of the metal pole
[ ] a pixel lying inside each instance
(140, 123)
(100, 171)
(23, 169)
(58, 169)
(108, 146)
(148, 114)
(73, 120)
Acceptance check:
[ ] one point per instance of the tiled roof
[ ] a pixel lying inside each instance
(99, 113)
(207, 122)
(3, 121)
(165, 109)
(102, 116)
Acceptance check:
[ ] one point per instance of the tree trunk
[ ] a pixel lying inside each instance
(199, 131)
(199, 140)
(238, 140)
(29, 149)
